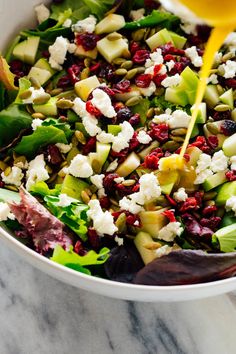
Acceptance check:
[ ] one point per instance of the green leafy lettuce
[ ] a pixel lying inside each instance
(72, 260)
(156, 18)
(42, 189)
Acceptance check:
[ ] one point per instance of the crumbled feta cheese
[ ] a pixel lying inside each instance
(202, 176)
(213, 79)
(87, 25)
(171, 81)
(189, 28)
(5, 212)
(67, 23)
(180, 195)
(36, 123)
(90, 122)
(170, 65)
(203, 163)
(80, 167)
(64, 201)
(23, 165)
(136, 15)
(156, 58)
(58, 52)
(192, 54)
(102, 101)
(162, 118)
(113, 166)
(97, 180)
(143, 137)
(71, 48)
(121, 141)
(105, 138)
(148, 91)
(64, 148)
(119, 180)
(42, 13)
(231, 204)
(149, 189)
(36, 171)
(163, 251)
(229, 69)
(170, 231)
(14, 177)
(233, 163)
(179, 119)
(219, 162)
(218, 58)
(103, 222)
(35, 93)
(119, 240)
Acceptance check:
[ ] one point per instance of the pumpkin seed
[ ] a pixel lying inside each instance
(158, 111)
(128, 182)
(35, 83)
(212, 128)
(11, 188)
(152, 32)
(210, 203)
(209, 195)
(114, 202)
(38, 116)
(121, 72)
(131, 73)
(150, 113)
(85, 197)
(96, 166)
(139, 34)
(42, 99)
(94, 196)
(85, 73)
(126, 54)
(88, 191)
(87, 62)
(133, 101)
(52, 178)
(170, 146)
(140, 69)
(220, 89)
(179, 131)
(62, 173)
(7, 159)
(80, 137)
(178, 139)
(227, 56)
(146, 35)
(121, 223)
(119, 61)
(29, 109)
(7, 171)
(63, 103)
(20, 160)
(222, 108)
(26, 94)
(127, 65)
(56, 91)
(74, 141)
(63, 164)
(152, 246)
(114, 36)
(3, 166)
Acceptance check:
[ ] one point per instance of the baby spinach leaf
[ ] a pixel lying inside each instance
(156, 18)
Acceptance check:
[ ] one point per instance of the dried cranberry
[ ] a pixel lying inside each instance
(87, 40)
(231, 175)
(177, 69)
(228, 127)
(151, 162)
(134, 47)
(123, 86)
(64, 82)
(213, 141)
(124, 190)
(133, 220)
(199, 196)
(151, 4)
(134, 143)
(189, 204)
(95, 68)
(170, 215)
(45, 54)
(2, 184)
(169, 57)
(16, 66)
(141, 56)
(108, 91)
(171, 201)
(221, 115)
(78, 247)
(90, 146)
(90, 108)
(209, 210)
(109, 183)
(135, 120)
(170, 49)
(120, 155)
(231, 83)
(54, 155)
(143, 80)
(160, 132)
(73, 72)
(211, 223)
(124, 114)
(158, 79)
(105, 202)
(93, 238)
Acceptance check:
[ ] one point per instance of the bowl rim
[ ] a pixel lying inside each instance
(52, 268)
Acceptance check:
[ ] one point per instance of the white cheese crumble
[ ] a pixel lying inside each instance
(64, 201)
(202, 176)
(233, 163)
(119, 240)
(170, 231)
(213, 79)
(143, 137)
(219, 162)
(180, 195)
(36, 123)
(67, 23)
(229, 69)
(193, 55)
(163, 251)
(113, 166)
(87, 25)
(119, 180)
(136, 15)
(42, 13)
(170, 65)
(121, 141)
(231, 204)
(5, 212)
(203, 170)
(90, 122)
(103, 222)
(97, 180)
(80, 167)
(172, 81)
(35, 93)
(177, 119)
(149, 189)
(14, 177)
(148, 91)
(58, 52)
(105, 138)
(156, 58)
(36, 171)
(102, 101)
(64, 148)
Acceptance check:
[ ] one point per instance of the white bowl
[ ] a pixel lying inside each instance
(14, 16)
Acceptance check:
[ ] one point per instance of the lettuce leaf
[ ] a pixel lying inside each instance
(156, 18)
(42, 189)
(72, 260)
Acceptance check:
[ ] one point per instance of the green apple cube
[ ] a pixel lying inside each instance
(73, 187)
(44, 64)
(84, 87)
(129, 165)
(153, 221)
(111, 50)
(229, 145)
(179, 41)
(113, 129)
(225, 192)
(123, 97)
(110, 23)
(19, 51)
(202, 113)
(176, 96)
(48, 109)
(228, 98)
(103, 151)
(226, 238)
(141, 240)
(41, 75)
(27, 50)
(81, 52)
(214, 181)
(189, 77)
(159, 38)
(211, 96)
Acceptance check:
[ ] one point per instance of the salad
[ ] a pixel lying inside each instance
(91, 102)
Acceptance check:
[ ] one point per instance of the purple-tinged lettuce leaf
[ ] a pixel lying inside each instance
(187, 267)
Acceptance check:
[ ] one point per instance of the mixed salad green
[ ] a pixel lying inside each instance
(91, 102)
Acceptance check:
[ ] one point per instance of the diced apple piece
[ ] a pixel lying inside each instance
(19, 51)
(153, 221)
(228, 98)
(26, 51)
(226, 191)
(211, 96)
(142, 241)
(176, 96)
(111, 50)
(229, 145)
(113, 129)
(187, 179)
(214, 181)
(129, 165)
(73, 187)
(179, 41)
(41, 75)
(167, 180)
(48, 109)
(202, 113)
(123, 97)
(101, 154)
(110, 23)
(142, 154)
(221, 137)
(84, 87)
(6, 76)
(194, 155)
(159, 38)
(44, 64)
(81, 52)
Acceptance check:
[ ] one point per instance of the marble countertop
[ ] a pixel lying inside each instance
(40, 315)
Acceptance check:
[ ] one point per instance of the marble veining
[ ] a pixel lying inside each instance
(40, 315)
